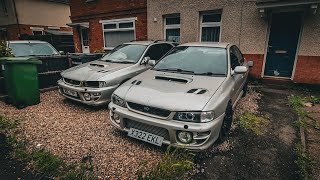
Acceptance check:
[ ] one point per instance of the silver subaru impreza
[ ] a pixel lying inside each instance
(93, 83)
(186, 99)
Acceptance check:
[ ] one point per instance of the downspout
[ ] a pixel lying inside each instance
(17, 19)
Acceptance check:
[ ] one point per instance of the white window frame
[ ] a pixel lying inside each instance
(171, 26)
(209, 24)
(37, 29)
(117, 29)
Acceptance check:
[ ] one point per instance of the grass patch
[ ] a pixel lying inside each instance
(174, 165)
(253, 123)
(303, 161)
(43, 163)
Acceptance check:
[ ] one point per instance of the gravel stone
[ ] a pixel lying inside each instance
(74, 131)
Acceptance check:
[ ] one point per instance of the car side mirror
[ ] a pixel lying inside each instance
(61, 52)
(240, 70)
(145, 60)
(152, 62)
(250, 63)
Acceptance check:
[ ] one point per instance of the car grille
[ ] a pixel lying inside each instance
(149, 110)
(159, 131)
(72, 82)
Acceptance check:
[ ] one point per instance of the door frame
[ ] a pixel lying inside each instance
(300, 11)
(81, 38)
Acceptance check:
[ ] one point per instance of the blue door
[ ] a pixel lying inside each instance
(282, 46)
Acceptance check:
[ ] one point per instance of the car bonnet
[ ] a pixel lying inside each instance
(93, 71)
(172, 91)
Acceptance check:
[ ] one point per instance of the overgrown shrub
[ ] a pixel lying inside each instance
(4, 50)
(174, 165)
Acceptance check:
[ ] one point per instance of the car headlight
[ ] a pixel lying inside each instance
(201, 117)
(118, 101)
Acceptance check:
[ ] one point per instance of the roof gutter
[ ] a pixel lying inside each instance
(17, 19)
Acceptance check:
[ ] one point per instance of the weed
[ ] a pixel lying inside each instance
(303, 161)
(6, 124)
(47, 163)
(253, 123)
(174, 165)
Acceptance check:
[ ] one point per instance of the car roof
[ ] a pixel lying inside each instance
(26, 41)
(147, 42)
(207, 44)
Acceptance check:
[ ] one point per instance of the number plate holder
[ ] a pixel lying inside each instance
(145, 136)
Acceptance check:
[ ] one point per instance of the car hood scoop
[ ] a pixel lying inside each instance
(173, 79)
(172, 95)
(92, 71)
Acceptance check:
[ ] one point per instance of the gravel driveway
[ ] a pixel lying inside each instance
(73, 131)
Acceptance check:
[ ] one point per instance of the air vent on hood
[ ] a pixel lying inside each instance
(174, 79)
(99, 65)
(197, 91)
(135, 82)
(102, 71)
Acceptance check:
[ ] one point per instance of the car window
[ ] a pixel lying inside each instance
(196, 60)
(166, 47)
(234, 61)
(125, 53)
(32, 49)
(239, 55)
(154, 52)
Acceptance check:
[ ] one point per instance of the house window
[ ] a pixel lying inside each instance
(37, 32)
(116, 32)
(3, 7)
(210, 26)
(172, 28)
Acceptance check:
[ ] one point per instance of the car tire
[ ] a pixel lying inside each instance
(226, 124)
(245, 89)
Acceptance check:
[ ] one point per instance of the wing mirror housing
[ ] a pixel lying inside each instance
(152, 62)
(62, 52)
(240, 70)
(145, 60)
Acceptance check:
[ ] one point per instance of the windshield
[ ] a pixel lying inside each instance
(32, 49)
(130, 53)
(195, 60)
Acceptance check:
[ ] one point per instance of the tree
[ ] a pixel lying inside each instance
(4, 50)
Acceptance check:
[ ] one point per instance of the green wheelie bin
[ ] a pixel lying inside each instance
(21, 80)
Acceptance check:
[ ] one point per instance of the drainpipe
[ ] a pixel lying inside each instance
(17, 19)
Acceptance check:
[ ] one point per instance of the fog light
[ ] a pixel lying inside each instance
(185, 137)
(87, 96)
(116, 118)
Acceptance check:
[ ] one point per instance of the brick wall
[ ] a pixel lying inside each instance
(93, 12)
(13, 30)
(307, 70)
(257, 59)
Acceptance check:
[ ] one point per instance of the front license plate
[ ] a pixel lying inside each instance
(70, 92)
(145, 136)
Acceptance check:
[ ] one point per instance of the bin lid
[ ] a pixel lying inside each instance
(28, 60)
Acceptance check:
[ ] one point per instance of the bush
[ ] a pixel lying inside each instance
(174, 165)
(4, 50)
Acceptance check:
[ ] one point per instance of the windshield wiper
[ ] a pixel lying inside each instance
(211, 74)
(176, 70)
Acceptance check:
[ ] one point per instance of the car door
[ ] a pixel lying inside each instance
(237, 79)
(240, 57)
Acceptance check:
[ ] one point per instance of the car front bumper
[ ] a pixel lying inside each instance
(99, 96)
(204, 134)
